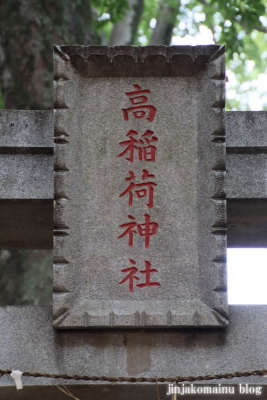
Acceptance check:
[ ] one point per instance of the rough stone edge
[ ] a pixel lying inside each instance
(218, 195)
(138, 52)
(116, 61)
(26, 129)
(246, 131)
(62, 295)
(61, 292)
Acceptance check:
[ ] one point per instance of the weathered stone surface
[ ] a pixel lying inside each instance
(26, 128)
(26, 176)
(185, 257)
(143, 61)
(31, 344)
(246, 129)
(26, 154)
(246, 221)
(246, 176)
(246, 155)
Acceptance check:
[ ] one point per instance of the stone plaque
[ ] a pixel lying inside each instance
(140, 218)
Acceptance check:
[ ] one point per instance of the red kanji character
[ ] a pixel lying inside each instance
(137, 96)
(144, 230)
(147, 229)
(131, 276)
(148, 188)
(129, 231)
(147, 272)
(146, 151)
(140, 110)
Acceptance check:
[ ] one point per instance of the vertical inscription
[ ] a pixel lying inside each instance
(139, 187)
(139, 148)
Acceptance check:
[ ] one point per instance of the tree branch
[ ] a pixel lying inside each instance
(124, 32)
(162, 33)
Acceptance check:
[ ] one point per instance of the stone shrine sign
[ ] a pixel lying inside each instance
(140, 209)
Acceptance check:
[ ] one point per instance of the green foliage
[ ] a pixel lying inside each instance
(236, 19)
(109, 13)
(144, 30)
(238, 24)
(114, 8)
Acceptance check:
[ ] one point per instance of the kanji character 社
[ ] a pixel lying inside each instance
(143, 147)
(138, 100)
(145, 189)
(146, 230)
(132, 271)
(131, 276)
(147, 272)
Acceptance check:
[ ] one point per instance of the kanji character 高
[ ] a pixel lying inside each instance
(138, 100)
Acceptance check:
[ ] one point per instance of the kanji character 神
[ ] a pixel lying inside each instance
(144, 230)
(131, 275)
(145, 151)
(145, 189)
(138, 99)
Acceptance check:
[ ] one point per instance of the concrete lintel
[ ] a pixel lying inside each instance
(26, 128)
(31, 344)
(246, 129)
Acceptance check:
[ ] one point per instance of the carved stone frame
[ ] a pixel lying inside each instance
(206, 62)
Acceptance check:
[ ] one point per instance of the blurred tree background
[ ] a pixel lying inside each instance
(28, 30)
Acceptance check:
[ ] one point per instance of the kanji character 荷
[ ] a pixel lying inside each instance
(141, 190)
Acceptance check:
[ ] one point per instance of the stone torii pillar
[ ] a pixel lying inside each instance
(28, 340)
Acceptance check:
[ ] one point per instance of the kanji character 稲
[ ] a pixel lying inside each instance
(143, 147)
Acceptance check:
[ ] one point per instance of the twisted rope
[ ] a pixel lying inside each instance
(141, 379)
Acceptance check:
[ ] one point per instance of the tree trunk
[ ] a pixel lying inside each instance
(162, 33)
(124, 32)
(28, 30)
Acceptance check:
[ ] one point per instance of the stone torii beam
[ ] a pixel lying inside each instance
(26, 175)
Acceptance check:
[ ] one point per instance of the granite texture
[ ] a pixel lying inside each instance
(31, 344)
(29, 128)
(143, 61)
(246, 129)
(26, 223)
(26, 154)
(187, 252)
(26, 176)
(246, 176)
